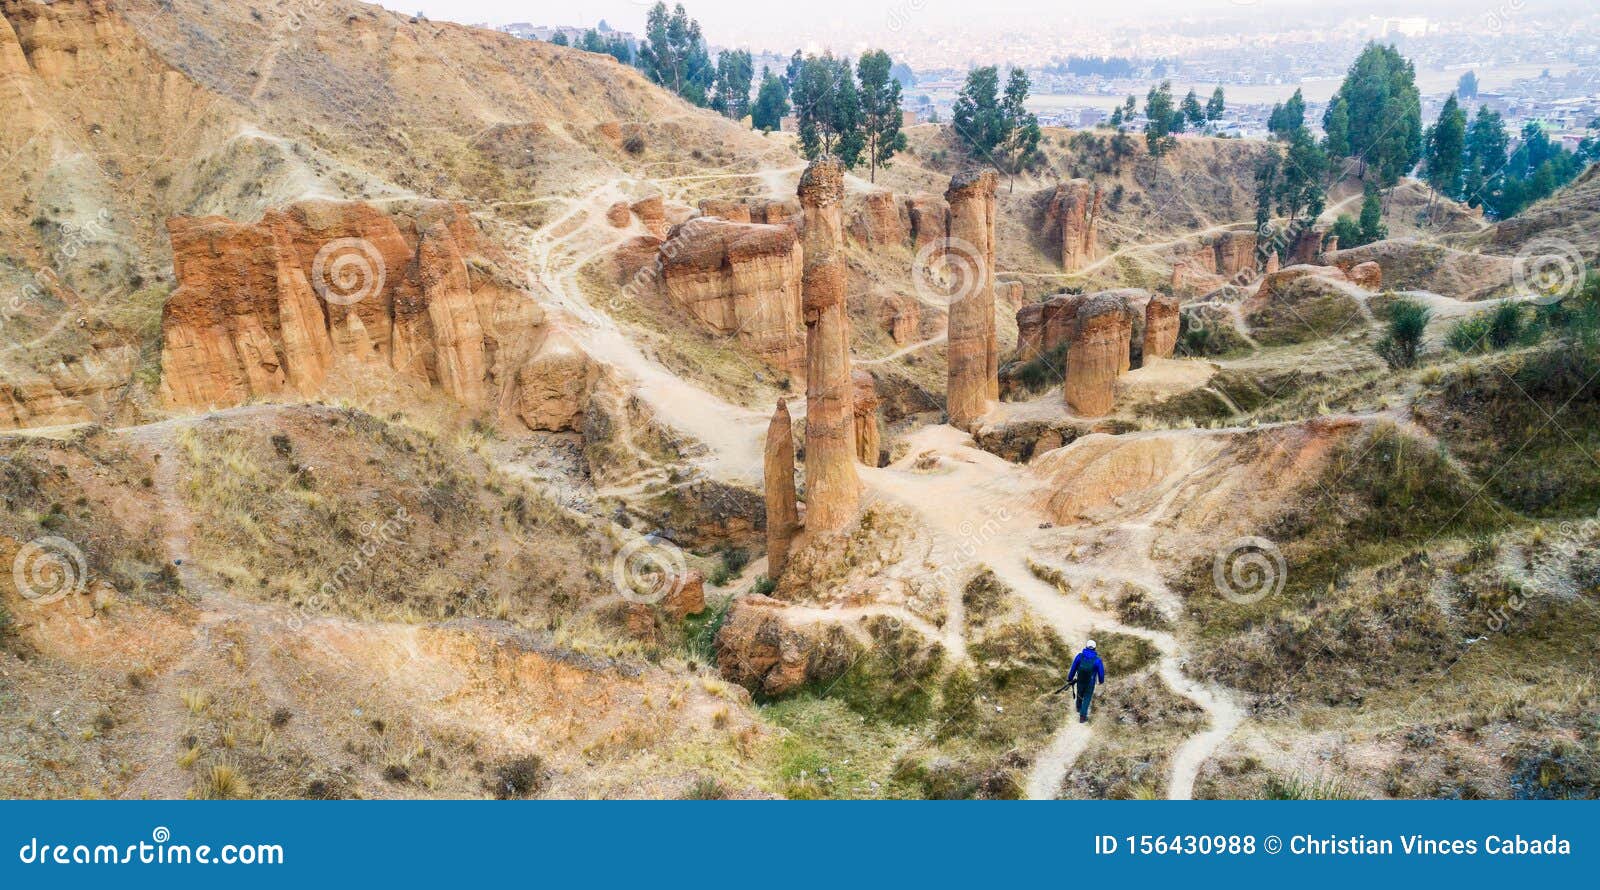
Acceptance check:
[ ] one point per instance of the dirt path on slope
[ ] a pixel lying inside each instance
(984, 504)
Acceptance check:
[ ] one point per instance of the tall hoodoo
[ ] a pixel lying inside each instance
(1095, 355)
(783, 516)
(973, 354)
(1160, 326)
(869, 440)
(832, 487)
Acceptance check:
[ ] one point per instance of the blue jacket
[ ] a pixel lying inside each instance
(1089, 662)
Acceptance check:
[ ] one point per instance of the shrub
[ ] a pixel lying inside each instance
(634, 144)
(1301, 788)
(763, 586)
(1470, 335)
(706, 788)
(1505, 325)
(518, 777)
(1407, 321)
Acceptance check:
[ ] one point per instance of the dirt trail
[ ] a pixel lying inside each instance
(984, 504)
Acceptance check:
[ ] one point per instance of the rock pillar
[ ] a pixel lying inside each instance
(973, 355)
(832, 487)
(783, 516)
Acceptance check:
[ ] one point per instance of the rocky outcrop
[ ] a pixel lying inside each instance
(927, 216)
(775, 213)
(765, 647)
(833, 490)
(973, 355)
(685, 596)
(1009, 294)
(783, 516)
(869, 438)
(1273, 263)
(652, 213)
(552, 388)
(1030, 332)
(271, 308)
(1303, 303)
(1071, 219)
(1368, 275)
(900, 316)
(619, 215)
(879, 220)
(730, 210)
(1160, 326)
(1410, 264)
(1096, 355)
(1234, 255)
(1307, 248)
(741, 280)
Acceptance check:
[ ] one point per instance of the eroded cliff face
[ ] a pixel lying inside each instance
(272, 308)
(741, 280)
(1071, 219)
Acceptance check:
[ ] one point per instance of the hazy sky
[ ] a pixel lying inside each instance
(796, 22)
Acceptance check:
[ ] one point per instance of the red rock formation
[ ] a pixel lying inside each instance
(776, 213)
(1058, 321)
(1160, 326)
(743, 280)
(900, 317)
(973, 355)
(1096, 354)
(761, 648)
(865, 407)
(686, 596)
(832, 487)
(1272, 263)
(1009, 293)
(652, 213)
(1235, 254)
(879, 220)
(619, 215)
(1368, 274)
(1030, 332)
(1307, 248)
(783, 516)
(927, 216)
(269, 308)
(730, 210)
(1071, 220)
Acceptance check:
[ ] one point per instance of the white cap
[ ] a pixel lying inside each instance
(1091, 644)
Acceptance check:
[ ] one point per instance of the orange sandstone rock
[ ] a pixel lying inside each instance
(973, 356)
(833, 492)
(783, 516)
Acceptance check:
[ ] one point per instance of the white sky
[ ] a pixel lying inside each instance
(784, 24)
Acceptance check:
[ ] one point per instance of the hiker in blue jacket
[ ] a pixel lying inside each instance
(1087, 670)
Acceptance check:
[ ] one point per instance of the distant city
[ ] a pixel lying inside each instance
(1526, 67)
